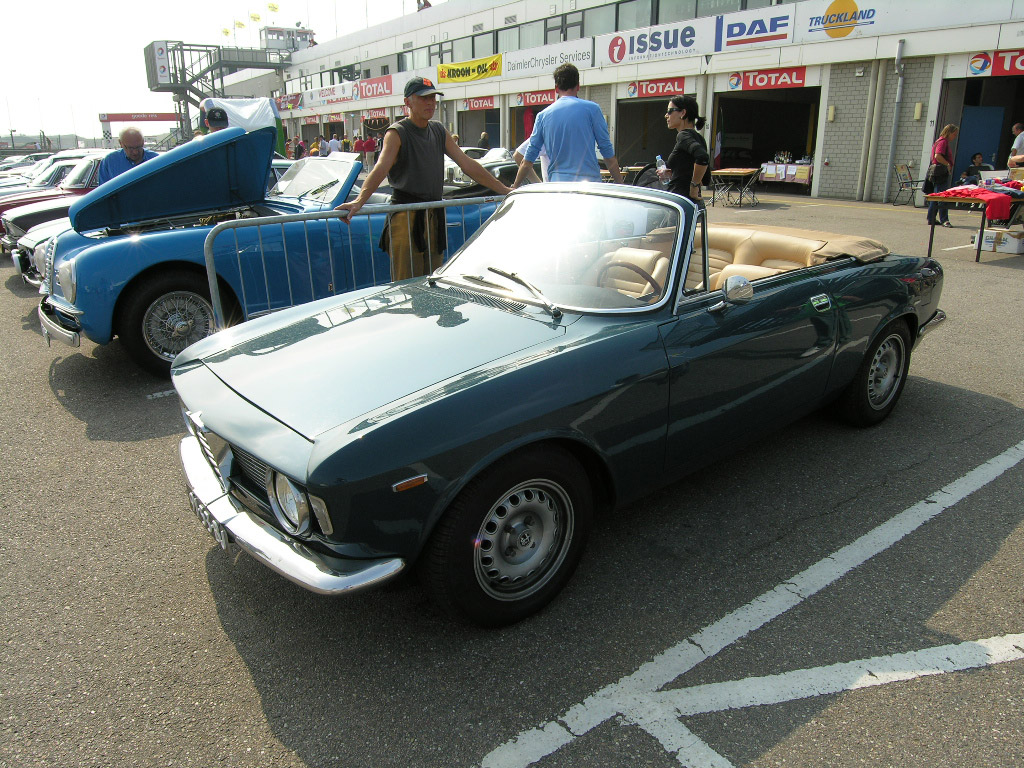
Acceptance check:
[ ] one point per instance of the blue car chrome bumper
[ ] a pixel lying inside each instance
(229, 522)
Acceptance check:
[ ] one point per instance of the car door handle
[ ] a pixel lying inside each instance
(821, 302)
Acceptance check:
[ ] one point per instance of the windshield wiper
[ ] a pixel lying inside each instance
(319, 189)
(555, 311)
(483, 281)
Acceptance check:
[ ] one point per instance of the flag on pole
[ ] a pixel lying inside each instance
(254, 17)
(225, 31)
(239, 25)
(272, 7)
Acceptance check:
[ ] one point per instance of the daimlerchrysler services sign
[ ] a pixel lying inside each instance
(544, 60)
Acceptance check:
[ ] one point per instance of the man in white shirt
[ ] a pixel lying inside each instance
(334, 143)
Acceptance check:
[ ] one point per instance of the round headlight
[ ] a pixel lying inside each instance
(66, 278)
(289, 503)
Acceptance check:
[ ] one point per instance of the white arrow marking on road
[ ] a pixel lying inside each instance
(636, 696)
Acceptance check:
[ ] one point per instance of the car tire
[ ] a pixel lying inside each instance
(512, 538)
(163, 315)
(879, 380)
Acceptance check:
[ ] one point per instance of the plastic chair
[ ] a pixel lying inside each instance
(906, 184)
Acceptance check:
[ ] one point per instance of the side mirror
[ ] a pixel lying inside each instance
(737, 290)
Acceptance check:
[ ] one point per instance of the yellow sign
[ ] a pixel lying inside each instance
(239, 25)
(272, 7)
(254, 16)
(467, 71)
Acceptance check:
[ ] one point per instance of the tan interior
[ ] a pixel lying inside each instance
(757, 251)
(612, 274)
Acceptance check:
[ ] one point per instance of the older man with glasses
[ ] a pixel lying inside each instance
(132, 152)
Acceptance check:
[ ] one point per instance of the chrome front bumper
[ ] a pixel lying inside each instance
(936, 320)
(289, 557)
(52, 329)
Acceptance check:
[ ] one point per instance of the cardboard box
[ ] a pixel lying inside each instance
(1001, 240)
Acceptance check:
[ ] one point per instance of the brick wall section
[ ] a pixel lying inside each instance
(844, 137)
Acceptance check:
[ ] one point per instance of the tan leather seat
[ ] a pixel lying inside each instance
(612, 274)
(749, 271)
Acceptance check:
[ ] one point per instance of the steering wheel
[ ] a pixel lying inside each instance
(631, 266)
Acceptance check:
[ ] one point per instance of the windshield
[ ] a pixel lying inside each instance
(579, 250)
(52, 176)
(315, 178)
(80, 176)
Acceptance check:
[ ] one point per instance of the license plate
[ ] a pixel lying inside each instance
(218, 531)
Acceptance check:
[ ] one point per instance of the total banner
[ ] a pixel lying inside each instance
(996, 63)
(769, 79)
(469, 71)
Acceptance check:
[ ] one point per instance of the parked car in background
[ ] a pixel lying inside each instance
(133, 265)
(81, 179)
(15, 164)
(45, 178)
(471, 422)
(29, 251)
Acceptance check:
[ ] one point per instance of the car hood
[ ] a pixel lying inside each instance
(316, 370)
(224, 169)
(41, 232)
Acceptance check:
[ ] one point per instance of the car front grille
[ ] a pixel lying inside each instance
(51, 247)
(252, 468)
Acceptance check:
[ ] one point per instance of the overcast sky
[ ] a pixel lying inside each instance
(64, 63)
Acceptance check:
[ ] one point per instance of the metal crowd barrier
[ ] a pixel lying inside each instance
(277, 267)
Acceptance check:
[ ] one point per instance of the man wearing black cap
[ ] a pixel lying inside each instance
(412, 158)
(216, 119)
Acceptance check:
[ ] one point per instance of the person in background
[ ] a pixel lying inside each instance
(1016, 158)
(357, 147)
(216, 119)
(485, 141)
(299, 148)
(688, 162)
(334, 144)
(314, 148)
(369, 149)
(413, 160)
(133, 152)
(568, 131)
(346, 144)
(973, 173)
(325, 147)
(940, 173)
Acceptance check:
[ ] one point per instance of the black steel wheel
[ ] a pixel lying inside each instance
(512, 539)
(879, 381)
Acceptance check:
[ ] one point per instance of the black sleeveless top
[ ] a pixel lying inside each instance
(419, 169)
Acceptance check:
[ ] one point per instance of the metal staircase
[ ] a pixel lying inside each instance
(193, 72)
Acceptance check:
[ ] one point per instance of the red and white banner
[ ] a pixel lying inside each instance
(369, 114)
(314, 120)
(643, 89)
(335, 117)
(533, 98)
(134, 117)
(766, 79)
(472, 104)
(996, 64)
(374, 87)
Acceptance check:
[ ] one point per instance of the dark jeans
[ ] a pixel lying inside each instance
(941, 208)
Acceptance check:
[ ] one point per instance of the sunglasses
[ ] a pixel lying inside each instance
(672, 109)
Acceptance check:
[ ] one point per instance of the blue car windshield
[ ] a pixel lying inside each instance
(317, 179)
(580, 250)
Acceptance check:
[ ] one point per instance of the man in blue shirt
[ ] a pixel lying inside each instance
(568, 130)
(132, 152)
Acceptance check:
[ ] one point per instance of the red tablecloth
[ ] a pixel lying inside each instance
(997, 204)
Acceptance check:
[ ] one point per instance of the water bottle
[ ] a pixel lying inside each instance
(661, 164)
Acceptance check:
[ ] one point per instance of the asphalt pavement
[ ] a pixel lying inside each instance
(827, 597)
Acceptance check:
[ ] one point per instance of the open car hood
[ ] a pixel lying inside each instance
(221, 170)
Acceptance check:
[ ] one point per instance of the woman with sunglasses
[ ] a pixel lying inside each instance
(686, 165)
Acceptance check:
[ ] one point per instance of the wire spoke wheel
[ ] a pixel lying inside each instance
(523, 540)
(175, 321)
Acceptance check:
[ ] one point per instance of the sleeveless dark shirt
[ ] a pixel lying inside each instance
(419, 169)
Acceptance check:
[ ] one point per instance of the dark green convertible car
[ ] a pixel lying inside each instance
(589, 344)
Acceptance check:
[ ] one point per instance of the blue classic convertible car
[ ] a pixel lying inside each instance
(589, 344)
(133, 263)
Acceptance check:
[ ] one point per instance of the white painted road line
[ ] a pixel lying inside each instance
(635, 693)
(972, 246)
(165, 393)
(836, 678)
